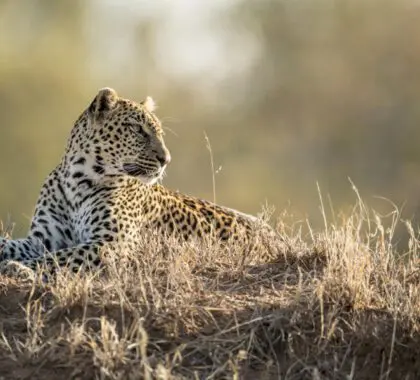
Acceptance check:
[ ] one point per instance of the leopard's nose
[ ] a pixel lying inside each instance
(164, 159)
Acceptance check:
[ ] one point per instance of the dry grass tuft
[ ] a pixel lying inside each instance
(343, 305)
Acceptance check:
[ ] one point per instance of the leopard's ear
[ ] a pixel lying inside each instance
(104, 101)
(149, 104)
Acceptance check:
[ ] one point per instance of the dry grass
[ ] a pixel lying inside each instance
(342, 305)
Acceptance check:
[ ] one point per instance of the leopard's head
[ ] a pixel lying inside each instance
(126, 137)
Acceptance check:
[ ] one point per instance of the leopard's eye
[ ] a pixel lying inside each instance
(138, 129)
(141, 131)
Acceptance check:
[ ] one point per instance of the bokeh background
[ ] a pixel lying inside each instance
(289, 93)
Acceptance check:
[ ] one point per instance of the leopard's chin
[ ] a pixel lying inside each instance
(148, 180)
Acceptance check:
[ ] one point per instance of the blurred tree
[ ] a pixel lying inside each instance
(289, 93)
(43, 65)
(336, 87)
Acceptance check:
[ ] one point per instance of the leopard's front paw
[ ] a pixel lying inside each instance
(16, 270)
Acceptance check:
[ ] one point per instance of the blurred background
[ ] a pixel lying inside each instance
(289, 93)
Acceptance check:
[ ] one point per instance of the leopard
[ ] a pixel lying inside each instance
(107, 188)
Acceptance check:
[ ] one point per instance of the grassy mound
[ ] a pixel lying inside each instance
(340, 304)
